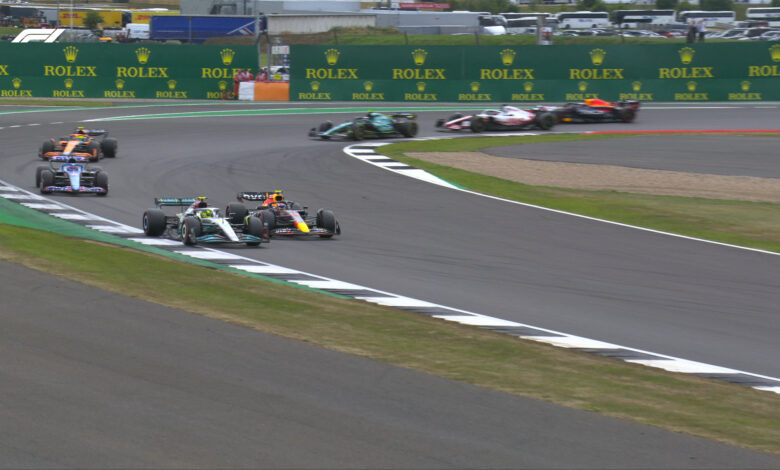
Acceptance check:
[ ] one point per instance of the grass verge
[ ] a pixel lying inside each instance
(749, 224)
(709, 409)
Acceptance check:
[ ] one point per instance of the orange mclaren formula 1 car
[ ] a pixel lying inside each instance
(81, 143)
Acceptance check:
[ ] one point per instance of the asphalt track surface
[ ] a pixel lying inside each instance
(678, 297)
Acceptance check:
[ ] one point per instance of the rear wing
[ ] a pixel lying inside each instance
(94, 132)
(404, 115)
(174, 201)
(255, 195)
(68, 159)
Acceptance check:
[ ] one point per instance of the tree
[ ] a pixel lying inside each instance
(93, 19)
(776, 3)
(666, 4)
(716, 5)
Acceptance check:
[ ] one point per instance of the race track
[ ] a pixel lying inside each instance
(684, 298)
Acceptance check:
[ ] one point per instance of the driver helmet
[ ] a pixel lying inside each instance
(206, 213)
(80, 130)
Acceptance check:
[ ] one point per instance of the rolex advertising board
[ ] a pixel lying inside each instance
(736, 71)
(89, 70)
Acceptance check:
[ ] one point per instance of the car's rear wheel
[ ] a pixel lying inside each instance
(255, 228)
(407, 128)
(546, 121)
(327, 220)
(477, 124)
(190, 230)
(101, 181)
(47, 179)
(627, 115)
(153, 222)
(109, 146)
(237, 212)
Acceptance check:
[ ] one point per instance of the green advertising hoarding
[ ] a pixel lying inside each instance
(93, 70)
(738, 71)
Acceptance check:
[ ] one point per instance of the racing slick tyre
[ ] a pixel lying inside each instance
(407, 128)
(546, 121)
(358, 131)
(627, 115)
(256, 228)
(38, 172)
(327, 220)
(190, 230)
(94, 151)
(237, 212)
(46, 147)
(108, 146)
(269, 218)
(47, 179)
(153, 222)
(101, 181)
(325, 126)
(478, 125)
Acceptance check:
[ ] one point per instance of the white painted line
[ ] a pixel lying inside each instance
(7, 188)
(155, 241)
(330, 284)
(769, 389)
(23, 196)
(41, 206)
(682, 365)
(264, 269)
(33, 125)
(569, 341)
(208, 254)
(398, 301)
(70, 216)
(115, 228)
(478, 320)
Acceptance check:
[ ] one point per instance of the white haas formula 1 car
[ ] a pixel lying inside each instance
(508, 118)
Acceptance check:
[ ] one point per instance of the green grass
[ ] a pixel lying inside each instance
(728, 413)
(749, 224)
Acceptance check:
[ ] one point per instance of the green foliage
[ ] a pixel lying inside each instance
(592, 5)
(666, 4)
(685, 6)
(493, 6)
(716, 5)
(776, 3)
(93, 19)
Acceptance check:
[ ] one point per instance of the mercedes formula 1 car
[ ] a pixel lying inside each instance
(508, 118)
(290, 218)
(73, 176)
(200, 223)
(81, 143)
(596, 110)
(372, 125)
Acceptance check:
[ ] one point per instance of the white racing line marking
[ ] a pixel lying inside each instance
(366, 152)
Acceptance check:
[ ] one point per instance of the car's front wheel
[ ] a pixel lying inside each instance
(190, 230)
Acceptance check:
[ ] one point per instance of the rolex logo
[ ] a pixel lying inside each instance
(636, 86)
(420, 86)
(315, 85)
(686, 54)
(474, 86)
(142, 54)
(222, 85)
(419, 56)
(691, 85)
(68, 83)
(744, 85)
(368, 85)
(774, 51)
(507, 57)
(119, 83)
(528, 87)
(17, 82)
(332, 56)
(597, 56)
(171, 84)
(227, 56)
(582, 86)
(70, 53)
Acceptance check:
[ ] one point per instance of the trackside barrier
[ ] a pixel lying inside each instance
(738, 71)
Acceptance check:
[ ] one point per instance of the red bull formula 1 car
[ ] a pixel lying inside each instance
(508, 118)
(81, 143)
(596, 110)
(286, 218)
